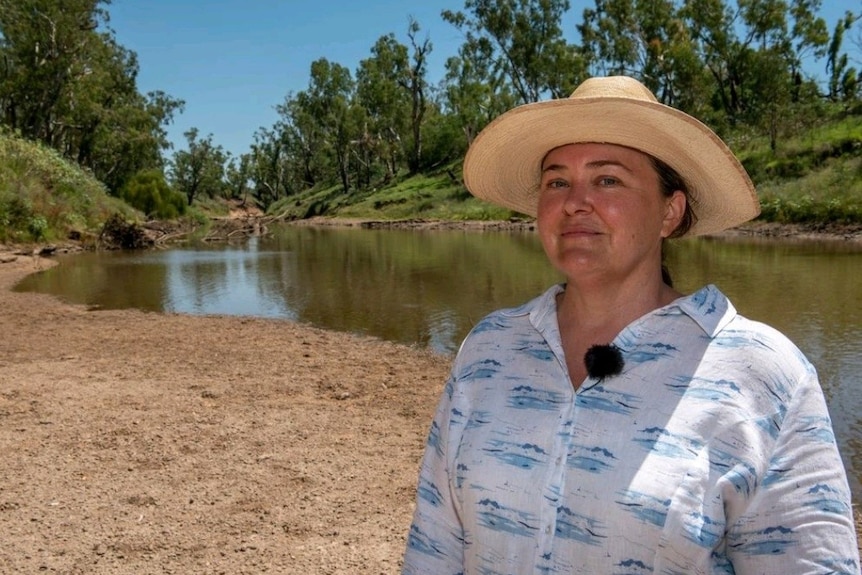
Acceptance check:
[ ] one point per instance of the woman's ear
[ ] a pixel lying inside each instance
(674, 212)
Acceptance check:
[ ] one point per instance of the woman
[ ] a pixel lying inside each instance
(614, 425)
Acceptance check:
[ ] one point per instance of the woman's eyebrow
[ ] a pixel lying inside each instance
(593, 164)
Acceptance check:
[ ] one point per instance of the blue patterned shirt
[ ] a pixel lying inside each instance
(712, 453)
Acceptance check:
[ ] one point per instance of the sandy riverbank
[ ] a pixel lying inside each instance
(145, 443)
(148, 443)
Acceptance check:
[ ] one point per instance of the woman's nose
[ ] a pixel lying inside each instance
(577, 199)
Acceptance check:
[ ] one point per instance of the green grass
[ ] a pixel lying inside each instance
(429, 196)
(44, 198)
(813, 177)
(831, 194)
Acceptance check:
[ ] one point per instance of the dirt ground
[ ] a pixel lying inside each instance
(140, 443)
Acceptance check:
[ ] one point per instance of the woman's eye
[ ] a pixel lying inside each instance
(556, 184)
(606, 181)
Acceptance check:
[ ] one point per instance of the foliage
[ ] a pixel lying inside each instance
(66, 82)
(43, 197)
(385, 140)
(199, 171)
(525, 41)
(736, 65)
(150, 193)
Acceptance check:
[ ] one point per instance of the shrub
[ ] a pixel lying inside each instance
(149, 192)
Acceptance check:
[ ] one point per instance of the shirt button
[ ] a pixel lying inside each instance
(548, 530)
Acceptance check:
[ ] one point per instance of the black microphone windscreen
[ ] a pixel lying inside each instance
(603, 361)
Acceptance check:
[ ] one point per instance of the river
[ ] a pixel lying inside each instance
(427, 288)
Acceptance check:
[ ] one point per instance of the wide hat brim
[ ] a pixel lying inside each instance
(503, 164)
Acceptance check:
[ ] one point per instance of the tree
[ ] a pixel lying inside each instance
(45, 48)
(149, 192)
(649, 40)
(523, 41)
(379, 90)
(473, 93)
(268, 166)
(65, 81)
(414, 83)
(844, 82)
(237, 177)
(328, 101)
(200, 169)
(299, 130)
(732, 41)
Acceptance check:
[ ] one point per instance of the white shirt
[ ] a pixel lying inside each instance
(712, 452)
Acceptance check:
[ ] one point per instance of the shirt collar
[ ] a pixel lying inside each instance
(709, 308)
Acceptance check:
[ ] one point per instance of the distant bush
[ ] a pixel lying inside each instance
(807, 210)
(149, 192)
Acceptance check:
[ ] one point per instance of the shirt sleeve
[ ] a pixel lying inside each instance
(800, 518)
(435, 541)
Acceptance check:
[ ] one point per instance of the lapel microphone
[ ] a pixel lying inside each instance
(603, 361)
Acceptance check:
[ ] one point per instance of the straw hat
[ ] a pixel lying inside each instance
(503, 164)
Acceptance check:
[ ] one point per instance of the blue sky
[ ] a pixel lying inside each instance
(233, 61)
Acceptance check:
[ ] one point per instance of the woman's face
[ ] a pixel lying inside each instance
(601, 215)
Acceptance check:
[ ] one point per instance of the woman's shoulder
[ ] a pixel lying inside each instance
(741, 340)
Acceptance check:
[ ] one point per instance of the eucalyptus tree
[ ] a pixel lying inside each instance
(266, 166)
(523, 42)
(129, 137)
(442, 136)
(278, 163)
(734, 39)
(328, 101)
(844, 81)
(65, 81)
(237, 177)
(199, 170)
(111, 128)
(414, 82)
(299, 129)
(472, 93)
(45, 49)
(387, 107)
(647, 39)
(392, 88)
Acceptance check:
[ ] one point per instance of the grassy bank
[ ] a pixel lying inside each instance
(814, 179)
(44, 198)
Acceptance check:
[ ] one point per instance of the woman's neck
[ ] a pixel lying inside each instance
(598, 315)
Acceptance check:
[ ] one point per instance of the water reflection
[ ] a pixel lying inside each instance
(235, 281)
(428, 288)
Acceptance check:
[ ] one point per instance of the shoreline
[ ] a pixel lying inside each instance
(849, 233)
(242, 225)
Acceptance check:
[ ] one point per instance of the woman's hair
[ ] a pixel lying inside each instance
(670, 181)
